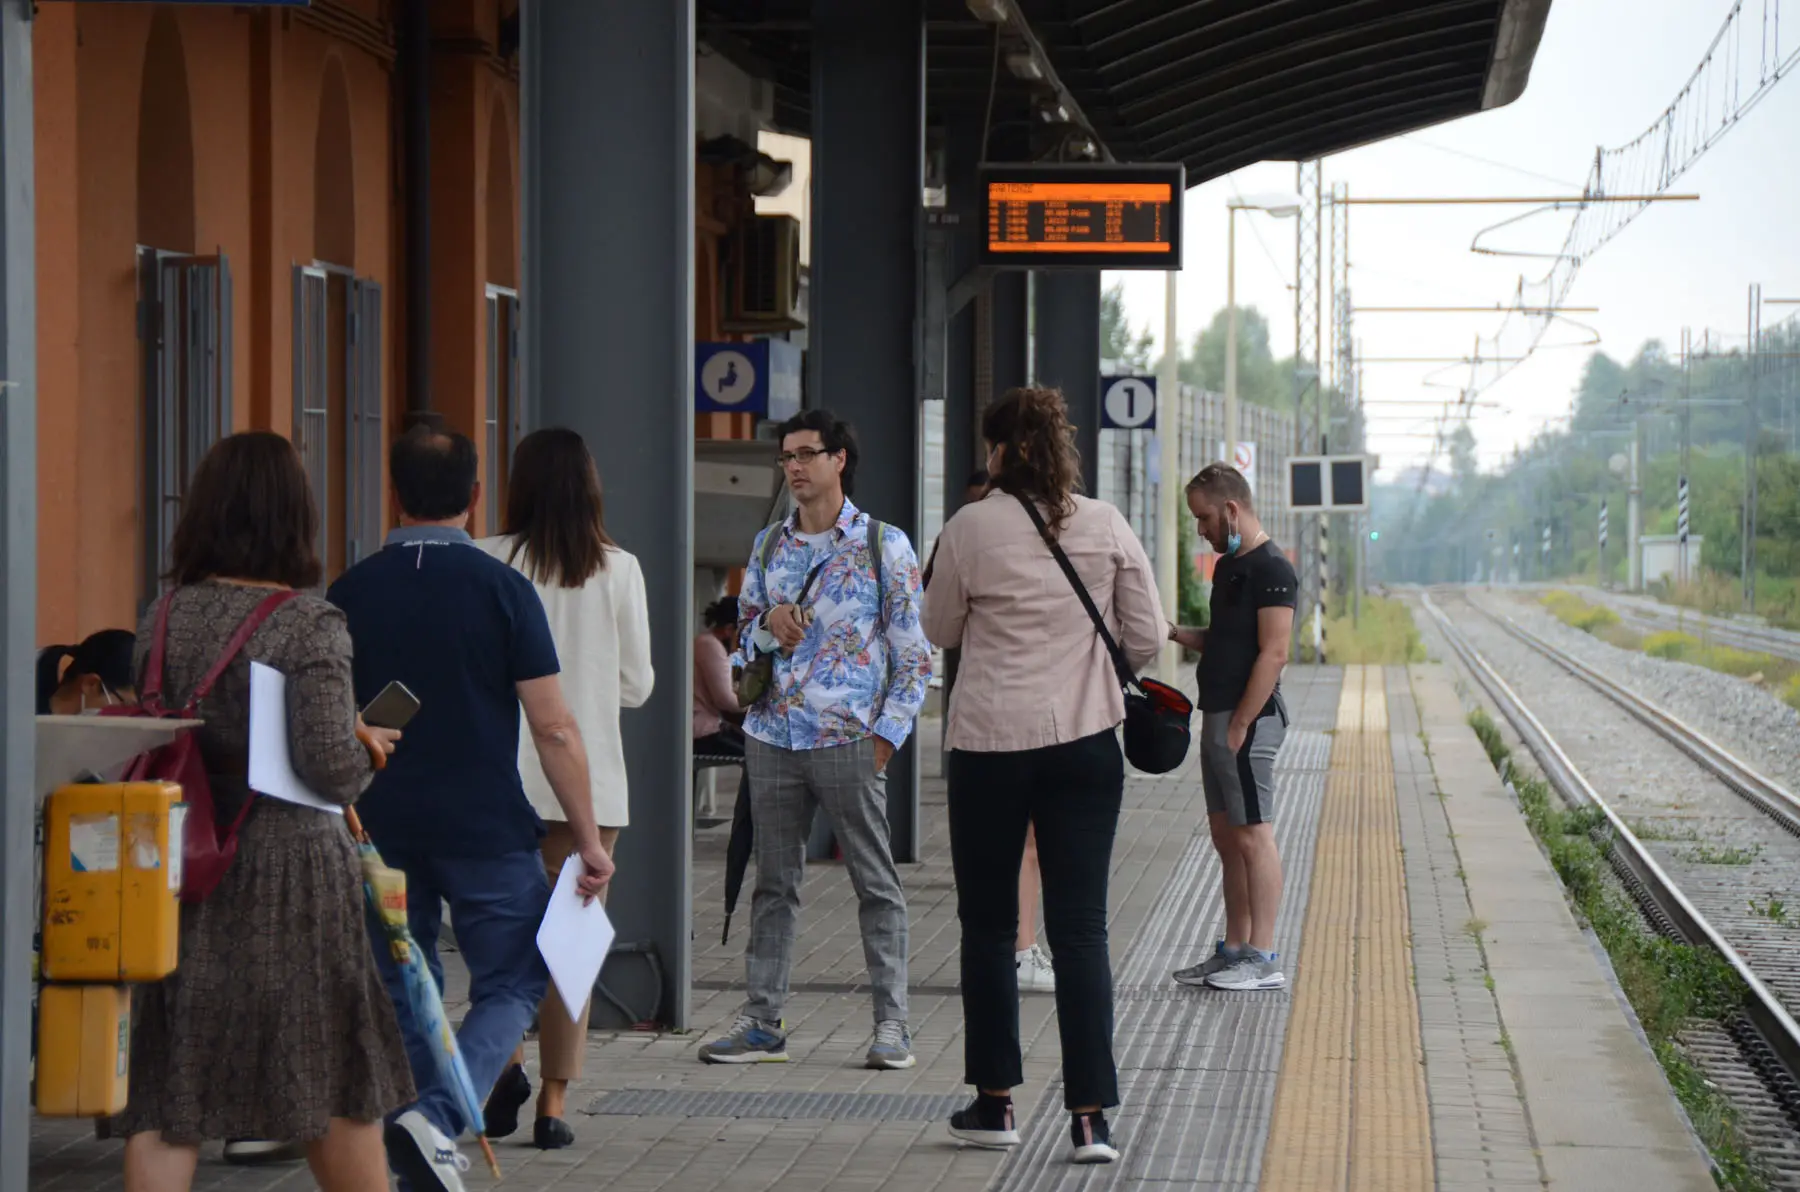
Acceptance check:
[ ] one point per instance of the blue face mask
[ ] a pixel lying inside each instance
(1233, 540)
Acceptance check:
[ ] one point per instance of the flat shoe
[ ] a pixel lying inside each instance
(511, 1091)
(552, 1134)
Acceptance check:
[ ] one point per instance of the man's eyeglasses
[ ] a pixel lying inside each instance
(804, 456)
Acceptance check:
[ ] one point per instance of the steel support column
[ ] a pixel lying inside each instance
(1009, 367)
(962, 223)
(18, 593)
(868, 96)
(1068, 356)
(608, 321)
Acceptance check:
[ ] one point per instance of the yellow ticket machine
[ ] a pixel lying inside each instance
(111, 904)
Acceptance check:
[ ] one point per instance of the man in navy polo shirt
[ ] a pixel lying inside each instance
(468, 636)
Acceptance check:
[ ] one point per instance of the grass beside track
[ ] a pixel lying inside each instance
(1670, 985)
(1383, 635)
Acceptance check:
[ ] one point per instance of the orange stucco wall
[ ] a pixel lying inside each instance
(122, 160)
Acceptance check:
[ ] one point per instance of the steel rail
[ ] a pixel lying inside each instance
(1762, 1008)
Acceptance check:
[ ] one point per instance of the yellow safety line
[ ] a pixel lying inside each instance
(1350, 1106)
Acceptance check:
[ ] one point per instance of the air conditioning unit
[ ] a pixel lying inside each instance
(766, 288)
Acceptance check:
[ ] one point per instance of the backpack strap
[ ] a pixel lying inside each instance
(262, 612)
(150, 698)
(771, 539)
(877, 536)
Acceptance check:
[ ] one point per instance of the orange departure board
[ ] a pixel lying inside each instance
(1097, 215)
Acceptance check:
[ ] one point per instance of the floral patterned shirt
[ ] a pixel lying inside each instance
(864, 664)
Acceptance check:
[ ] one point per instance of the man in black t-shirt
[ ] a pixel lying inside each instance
(1243, 721)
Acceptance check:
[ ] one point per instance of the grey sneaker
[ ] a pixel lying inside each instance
(892, 1048)
(750, 1041)
(1251, 972)
(1223, 957)
(1035, 971)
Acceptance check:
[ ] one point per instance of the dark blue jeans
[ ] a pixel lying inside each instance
(496, 905)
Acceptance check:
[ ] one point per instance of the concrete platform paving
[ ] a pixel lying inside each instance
(1584, 1106)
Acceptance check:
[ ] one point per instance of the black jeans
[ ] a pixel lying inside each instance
(1071, 793)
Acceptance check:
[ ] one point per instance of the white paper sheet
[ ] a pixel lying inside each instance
(574, 939)
(271, 767)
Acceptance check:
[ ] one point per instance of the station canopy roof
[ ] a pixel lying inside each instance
(1212, 84)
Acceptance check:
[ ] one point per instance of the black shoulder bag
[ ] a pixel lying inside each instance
(1157, 716)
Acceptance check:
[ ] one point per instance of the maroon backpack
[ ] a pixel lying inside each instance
(207, 846)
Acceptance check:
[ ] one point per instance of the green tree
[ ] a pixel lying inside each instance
(1129, 349)
(1262, 380)
(1462, 456)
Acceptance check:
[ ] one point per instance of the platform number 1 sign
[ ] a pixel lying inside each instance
(1129, 403)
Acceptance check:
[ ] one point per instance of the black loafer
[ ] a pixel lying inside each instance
(511, 1091)
(552, 1134)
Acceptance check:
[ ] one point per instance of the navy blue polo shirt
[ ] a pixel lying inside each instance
(460, 629)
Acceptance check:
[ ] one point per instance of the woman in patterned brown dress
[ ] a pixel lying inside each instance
(276, 1024)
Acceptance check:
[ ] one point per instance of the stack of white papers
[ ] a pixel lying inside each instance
(574, 939)
(271, 766)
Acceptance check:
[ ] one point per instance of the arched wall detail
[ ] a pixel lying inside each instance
(165, 141)
(334, 170)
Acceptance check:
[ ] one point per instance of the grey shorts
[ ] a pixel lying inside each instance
(1241, 785)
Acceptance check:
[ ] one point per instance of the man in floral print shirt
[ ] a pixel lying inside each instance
(851, 665)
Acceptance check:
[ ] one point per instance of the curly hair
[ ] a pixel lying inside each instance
(1041, 463)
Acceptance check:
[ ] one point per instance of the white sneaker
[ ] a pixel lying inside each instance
(1035, 971)
(252, 1151)
(419, 1153)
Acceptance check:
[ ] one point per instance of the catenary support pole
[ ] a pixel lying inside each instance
(1169, 500)
(1634, 491)
(608, 322)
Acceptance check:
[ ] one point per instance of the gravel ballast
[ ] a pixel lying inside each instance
(1747, 720)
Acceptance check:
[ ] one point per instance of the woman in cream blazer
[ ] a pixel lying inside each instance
(593, 594)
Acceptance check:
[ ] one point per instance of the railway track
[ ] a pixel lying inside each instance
(1706, 903)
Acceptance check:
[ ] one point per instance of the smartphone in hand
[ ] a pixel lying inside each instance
(392, 708)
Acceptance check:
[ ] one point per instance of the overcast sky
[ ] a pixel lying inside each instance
(1604, 73)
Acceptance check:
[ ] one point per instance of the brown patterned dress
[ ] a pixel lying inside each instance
(276, 1020)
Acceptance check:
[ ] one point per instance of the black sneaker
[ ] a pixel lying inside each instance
(1091, 1138)
(987, 1122)
(511, 1091)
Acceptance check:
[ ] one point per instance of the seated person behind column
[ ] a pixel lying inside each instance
(468, 636)
(717, 716)
(275, 1026)
(99, 674)
(593, 595)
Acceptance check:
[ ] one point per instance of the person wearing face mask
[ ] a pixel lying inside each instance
(1243, 722)
(98, 675)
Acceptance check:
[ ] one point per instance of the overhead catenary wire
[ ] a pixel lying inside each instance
(1729, 81)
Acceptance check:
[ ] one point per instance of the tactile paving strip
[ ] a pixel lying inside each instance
(1350, 1109)
(821, 1107)
(1197, 1067)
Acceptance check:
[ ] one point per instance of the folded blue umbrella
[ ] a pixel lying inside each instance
(385, 890)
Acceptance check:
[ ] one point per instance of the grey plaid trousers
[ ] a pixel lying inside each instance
(785, 787)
